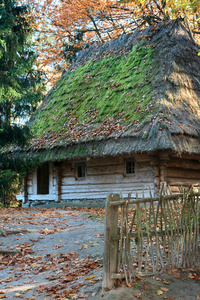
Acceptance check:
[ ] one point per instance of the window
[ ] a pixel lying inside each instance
(43, 179)
(130, 166)
(81, 170)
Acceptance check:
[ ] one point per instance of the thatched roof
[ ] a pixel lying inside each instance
(139, 92)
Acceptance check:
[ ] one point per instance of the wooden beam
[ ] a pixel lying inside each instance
(110, 246)
(183, 182)
(184, 164)
(186, 156)
(164, 156)
(141, 157)
(154, 160)
(25, 189)
(180, 173)
(34, 182)
(59, 170)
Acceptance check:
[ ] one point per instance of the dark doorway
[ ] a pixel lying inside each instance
(43, 179)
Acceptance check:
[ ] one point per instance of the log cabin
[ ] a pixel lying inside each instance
(124, 117)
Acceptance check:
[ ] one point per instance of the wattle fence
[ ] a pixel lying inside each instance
(145, 236)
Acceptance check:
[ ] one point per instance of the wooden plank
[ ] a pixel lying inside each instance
(38, 197)
(25, 190)
(185, 164)
(109, 168)
(97, 162)
(94, 188)
(178, 181)
(178, 173)
(115, 178)
(34, 186)
(98, 195)
(110, 246)
(186, 156)
(43, 197)
(116, 160)
(141, 157)
(145, 200)
(105, 170)
(59, 186)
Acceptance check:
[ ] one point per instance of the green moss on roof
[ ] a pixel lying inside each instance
(125, 96)
(114, 89)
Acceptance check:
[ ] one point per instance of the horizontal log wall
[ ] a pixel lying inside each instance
(106, 176)
(183, 172)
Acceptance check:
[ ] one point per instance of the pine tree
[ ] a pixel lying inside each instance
(20, 81)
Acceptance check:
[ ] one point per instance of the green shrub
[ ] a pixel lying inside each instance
(10, 185)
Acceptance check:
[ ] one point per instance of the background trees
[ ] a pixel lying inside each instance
(20, 81)
(20, 87)
(64, 27)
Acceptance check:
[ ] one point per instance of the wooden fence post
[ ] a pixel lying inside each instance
(25, 189)
(110, 246)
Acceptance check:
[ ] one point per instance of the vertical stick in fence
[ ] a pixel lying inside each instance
(171, 235)
(121, 240)
(183, 227)
(158, 252)
(148, 237)
(197, 231)
(110, 246)
(151, 240)
(127, 244)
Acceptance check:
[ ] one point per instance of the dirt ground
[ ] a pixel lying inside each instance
(57, 253)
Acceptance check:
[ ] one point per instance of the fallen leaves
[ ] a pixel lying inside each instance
(64, 269)
(138, 295)
(194, 276)
(177, 276)
(89, 277)
(85, 246)
(159, 292)
(17, 295)
(146, 287)
(164, 289)
(165, 281)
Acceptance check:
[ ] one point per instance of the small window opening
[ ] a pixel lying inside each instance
(81, 170)
(130, 167)
(43, 179)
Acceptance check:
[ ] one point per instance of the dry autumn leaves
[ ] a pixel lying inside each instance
(49, 254)
(57, 254)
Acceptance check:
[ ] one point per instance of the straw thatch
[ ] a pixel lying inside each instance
(139, 92)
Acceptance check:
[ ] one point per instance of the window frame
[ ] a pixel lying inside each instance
(126, 161)
(81, 164)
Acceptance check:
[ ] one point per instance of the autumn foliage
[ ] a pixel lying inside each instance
(65, 27)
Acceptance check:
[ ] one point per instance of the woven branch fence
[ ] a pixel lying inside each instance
(148, 235)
